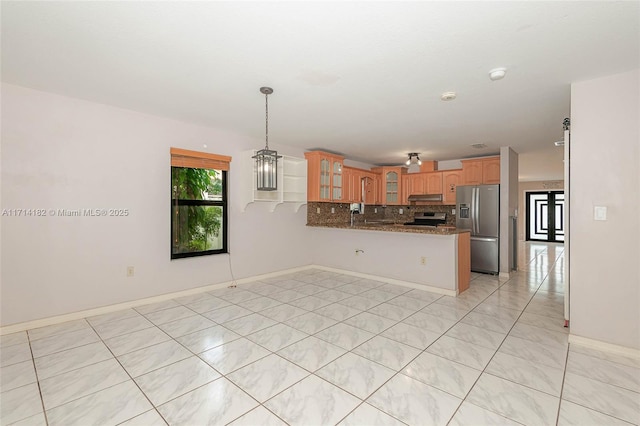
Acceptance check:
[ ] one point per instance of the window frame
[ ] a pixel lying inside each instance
(184, 155)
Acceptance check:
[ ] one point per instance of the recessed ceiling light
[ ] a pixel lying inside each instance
(448, 96)
(479, 145)
(497, 74)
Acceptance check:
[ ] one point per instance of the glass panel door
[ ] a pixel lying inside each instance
(545, 216)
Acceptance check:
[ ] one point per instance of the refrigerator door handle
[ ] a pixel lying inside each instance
(490, 239)
(473, 210)
(476, 210)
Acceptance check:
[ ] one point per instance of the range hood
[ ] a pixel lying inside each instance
(425, 198)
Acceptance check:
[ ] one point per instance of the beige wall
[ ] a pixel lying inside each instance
(523, 188)
(605, 166)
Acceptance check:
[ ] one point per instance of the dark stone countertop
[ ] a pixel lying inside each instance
(394, 227)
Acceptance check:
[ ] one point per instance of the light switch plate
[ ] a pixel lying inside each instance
(599, 213)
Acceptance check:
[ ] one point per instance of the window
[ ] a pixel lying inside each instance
(198, 203)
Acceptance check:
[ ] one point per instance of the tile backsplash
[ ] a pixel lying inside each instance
(339, 213)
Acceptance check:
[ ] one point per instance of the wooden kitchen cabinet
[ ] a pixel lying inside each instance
(420, 183)
(472, 172)
(392, 187)
(450, 181)
(479, 171)
(371, 184)
(324, 176)
(433, 183)
(491, 170)
(405, 184)
(417, 183)
(428, 166)
(352, 179)
(391, 184)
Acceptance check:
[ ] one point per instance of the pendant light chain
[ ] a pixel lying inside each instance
(266, 119)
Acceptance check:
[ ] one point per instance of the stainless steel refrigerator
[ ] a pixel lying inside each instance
(478, 210)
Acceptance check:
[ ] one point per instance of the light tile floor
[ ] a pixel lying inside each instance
(320, 348)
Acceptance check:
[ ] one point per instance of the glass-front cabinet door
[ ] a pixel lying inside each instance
(337, 181)
(391, 179)
(324, 176)
(325, 179)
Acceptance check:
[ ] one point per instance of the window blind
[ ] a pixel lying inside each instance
(199, 160)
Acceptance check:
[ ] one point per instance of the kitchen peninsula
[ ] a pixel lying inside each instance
(436, 260)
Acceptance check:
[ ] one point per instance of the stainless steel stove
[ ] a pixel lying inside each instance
(428, 219)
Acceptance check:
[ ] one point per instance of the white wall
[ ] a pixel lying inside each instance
(60, 152)
(394, 255)
(605, 139)
(449, 165)
(508, 205)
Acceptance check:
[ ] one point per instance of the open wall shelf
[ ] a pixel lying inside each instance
(292, 183)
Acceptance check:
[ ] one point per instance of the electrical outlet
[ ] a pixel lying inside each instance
(130, 271)
(423, 260)
(318, 210)
(333, 209)
(400, 211)
(453, 212)
(375, 210)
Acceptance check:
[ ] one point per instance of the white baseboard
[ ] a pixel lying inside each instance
(604, 346)
(389, 280)
(43, 322)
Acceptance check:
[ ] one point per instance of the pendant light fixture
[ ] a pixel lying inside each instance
(266, 159)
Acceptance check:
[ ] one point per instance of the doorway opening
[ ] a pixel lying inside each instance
(545, 216)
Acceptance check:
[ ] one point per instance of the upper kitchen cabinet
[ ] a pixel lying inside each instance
(491, 170)
(405, 183)
(417, 183)
(324, 177)
(353, 184)
(371, 184)
(471, 172)
(420, 183)
(480, 171)
(428, 166)
(450, 181)
(391, 184)
(433, 182)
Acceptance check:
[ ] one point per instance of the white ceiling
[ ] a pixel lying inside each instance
(360, 78)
